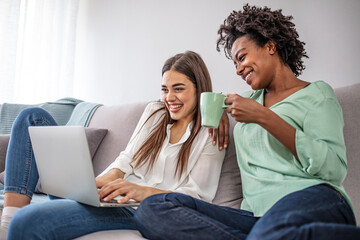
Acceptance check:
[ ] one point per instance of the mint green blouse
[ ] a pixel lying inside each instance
(269, 171)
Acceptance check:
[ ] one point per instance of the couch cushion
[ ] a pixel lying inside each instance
(349, 99)
(94, 137)
(229, 192)
(120, 120)
(113, 235)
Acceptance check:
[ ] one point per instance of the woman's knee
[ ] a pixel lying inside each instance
(149, 214)
(35, 114)
(43, 220)
(156, 208)
(146, 207)
(24, 224)
(160, 202)
(33, 117)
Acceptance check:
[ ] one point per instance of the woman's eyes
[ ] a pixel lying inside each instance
(165, 90)
(242, 57)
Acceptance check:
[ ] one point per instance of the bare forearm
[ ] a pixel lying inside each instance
(112, 175)
(139, 193)
(152, 191)
(116, 173)
(280, 129)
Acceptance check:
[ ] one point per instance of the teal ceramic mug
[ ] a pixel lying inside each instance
(212, 106)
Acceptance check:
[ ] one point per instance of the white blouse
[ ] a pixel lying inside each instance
(201, 178)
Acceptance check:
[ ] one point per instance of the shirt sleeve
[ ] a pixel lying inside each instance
(203, 180)
(320, 145)
(123, 161)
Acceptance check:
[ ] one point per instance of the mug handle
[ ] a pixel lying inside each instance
(224, 105)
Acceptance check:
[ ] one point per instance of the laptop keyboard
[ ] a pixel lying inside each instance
(111, 201)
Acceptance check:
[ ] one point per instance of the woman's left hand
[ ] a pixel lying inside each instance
(126, 189)
(221, 134)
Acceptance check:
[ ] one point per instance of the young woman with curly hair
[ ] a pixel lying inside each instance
(289, 143)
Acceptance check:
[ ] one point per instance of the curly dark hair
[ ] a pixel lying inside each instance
(262, 25)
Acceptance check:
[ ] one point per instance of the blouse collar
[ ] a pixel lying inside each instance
(186, 134)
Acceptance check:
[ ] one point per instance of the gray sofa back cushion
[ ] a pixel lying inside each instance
(120, 120)
(229, 192)
(349, 99)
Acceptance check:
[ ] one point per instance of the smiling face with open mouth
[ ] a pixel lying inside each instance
(254, 64)
(179, 96)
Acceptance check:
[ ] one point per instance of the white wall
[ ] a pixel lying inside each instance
(122, 44)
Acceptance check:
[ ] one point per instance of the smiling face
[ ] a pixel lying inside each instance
(179, 96)
(256, 65)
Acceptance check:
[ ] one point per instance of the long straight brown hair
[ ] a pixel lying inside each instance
(191, 65)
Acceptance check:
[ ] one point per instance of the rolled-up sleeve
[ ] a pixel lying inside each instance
(320, 145)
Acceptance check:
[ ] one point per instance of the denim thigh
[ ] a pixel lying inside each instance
(178, 216)
(67, 219)
(317, 212)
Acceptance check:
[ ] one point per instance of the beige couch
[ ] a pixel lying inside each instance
(120, 120)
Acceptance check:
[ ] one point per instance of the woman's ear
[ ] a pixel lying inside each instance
(270, 46)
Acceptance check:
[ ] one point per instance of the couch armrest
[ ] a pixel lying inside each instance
(4, 141)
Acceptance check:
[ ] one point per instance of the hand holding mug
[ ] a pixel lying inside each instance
(212, 106)
(244, 109)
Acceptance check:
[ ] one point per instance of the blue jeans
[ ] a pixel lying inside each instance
(56, 219)
(318, 212)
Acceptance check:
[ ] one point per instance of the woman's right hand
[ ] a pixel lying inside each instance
(110, 176)
(128, 190)
(244, 109)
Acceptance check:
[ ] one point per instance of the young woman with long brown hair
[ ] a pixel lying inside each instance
(168, 152)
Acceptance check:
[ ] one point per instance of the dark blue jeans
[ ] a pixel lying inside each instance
(318, 212)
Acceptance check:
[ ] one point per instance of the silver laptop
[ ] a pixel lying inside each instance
(64, 164)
